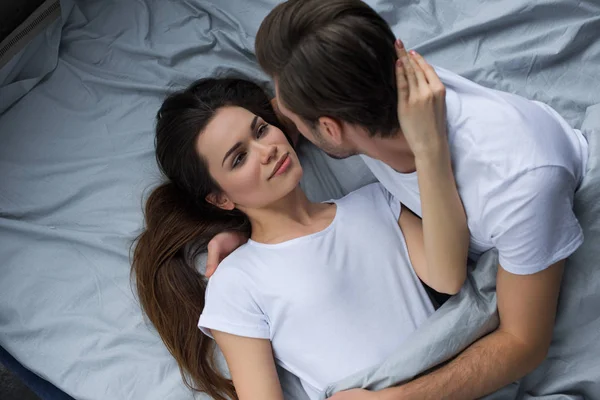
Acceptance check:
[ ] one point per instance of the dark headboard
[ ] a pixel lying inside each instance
(21, 21)
(13, 13)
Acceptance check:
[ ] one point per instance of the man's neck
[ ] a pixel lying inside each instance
(393, 151)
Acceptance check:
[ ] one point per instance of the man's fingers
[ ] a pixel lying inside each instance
(210, 269)
(212, 259)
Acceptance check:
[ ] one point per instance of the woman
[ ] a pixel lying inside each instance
(323, 289)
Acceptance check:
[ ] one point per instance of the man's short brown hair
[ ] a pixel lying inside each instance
(332, 58)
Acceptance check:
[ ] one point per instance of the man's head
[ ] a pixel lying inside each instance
(333, 66)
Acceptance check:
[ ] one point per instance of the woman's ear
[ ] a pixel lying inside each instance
(331, 129)
(221, 201)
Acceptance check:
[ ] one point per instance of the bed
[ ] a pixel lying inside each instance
(78, 94)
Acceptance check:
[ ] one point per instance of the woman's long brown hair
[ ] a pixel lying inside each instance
(179, 223)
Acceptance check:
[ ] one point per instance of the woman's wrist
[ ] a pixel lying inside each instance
(434, 151)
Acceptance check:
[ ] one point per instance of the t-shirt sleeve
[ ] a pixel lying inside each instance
(531, 222)
(231, 306)
(380, 195)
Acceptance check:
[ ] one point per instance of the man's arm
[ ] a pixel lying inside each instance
(530, 221)
(527, 307)
(219, 247)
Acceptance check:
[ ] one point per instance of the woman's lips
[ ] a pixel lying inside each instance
(282, 165)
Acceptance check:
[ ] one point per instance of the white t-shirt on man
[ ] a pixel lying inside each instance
(332, 303)
(517, 165)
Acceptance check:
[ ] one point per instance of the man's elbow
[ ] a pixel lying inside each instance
(536, 355)
(533, 354)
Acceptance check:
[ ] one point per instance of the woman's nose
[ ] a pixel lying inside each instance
(269, 152)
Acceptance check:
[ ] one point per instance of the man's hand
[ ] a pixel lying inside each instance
(355, 394)
(527, 308)
(220, 247)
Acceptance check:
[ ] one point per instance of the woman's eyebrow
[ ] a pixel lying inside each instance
(230, 151)
(238, 144)
(253, 124)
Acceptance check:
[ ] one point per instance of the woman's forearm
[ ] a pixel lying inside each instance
(445, 230)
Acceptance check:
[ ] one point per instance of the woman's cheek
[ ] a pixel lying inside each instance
(248, 182)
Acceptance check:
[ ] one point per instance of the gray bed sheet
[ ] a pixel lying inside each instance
(76, 121)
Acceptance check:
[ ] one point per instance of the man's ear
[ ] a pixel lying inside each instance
(221, 201)
(331, 129)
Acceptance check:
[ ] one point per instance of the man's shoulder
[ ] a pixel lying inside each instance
(504, 129)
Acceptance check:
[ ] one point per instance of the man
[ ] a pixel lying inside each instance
(517, 165)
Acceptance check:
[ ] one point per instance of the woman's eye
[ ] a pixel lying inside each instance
(239, 159)
(262, 130)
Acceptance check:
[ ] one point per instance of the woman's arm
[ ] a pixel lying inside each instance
(251, 365)
(422, 116)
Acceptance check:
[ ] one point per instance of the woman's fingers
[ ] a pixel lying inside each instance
(425, 67)
(432, 77)
(401, 83)
(420, 75)
(400, 50)
(409, 71)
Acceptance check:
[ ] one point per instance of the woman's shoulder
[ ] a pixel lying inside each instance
(235, 269)
(366, 195)
(238, 259)
(372, 202)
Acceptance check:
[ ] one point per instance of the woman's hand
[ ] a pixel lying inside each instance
(220, 247)
(421, 102)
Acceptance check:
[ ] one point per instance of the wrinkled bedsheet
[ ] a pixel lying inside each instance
(76, 124)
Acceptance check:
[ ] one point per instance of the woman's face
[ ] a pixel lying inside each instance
(250, 160)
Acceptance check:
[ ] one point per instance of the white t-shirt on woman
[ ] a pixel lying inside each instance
(332, 303)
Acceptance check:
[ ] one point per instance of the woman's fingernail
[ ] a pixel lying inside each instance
(399, 63)
(399, 43)
(412, 52)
